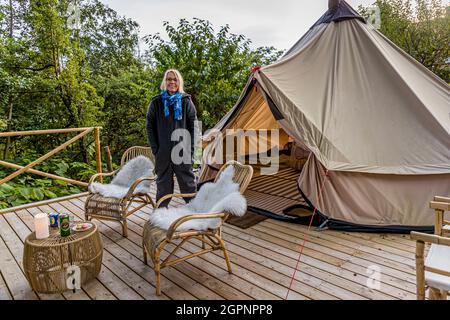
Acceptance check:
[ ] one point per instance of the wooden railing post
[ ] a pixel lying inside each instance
(108, 159)
(98, 154)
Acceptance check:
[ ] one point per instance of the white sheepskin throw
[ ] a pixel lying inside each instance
(221, 196)
(134, 169)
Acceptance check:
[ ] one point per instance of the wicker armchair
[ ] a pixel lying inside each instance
(114, 209)
(434, 270)
(155, 239)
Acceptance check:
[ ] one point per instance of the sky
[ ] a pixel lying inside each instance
(278, 23)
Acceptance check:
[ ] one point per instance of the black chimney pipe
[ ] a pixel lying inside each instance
(333, 4)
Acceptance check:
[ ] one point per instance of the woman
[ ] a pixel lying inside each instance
(172, 109)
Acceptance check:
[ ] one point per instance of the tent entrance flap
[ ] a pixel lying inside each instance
(257, 121)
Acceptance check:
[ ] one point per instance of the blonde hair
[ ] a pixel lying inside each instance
(177, 75)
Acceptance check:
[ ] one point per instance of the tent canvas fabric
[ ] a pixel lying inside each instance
(376, 122)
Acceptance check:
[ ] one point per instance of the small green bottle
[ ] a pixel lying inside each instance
(64, 225)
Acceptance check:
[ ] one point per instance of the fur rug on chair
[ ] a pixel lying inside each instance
(134, 169)
(221, 196)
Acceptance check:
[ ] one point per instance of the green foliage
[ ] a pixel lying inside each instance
(46, 81)
(15, 193)
(30, 188)
(421, 28)
(215, 66)
(127, 97)
(110, 41)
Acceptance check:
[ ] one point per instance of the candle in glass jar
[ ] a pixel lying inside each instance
(41, 226)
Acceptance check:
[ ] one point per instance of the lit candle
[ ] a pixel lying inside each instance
(41, 225)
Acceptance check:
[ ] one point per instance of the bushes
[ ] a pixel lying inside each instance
(28, 187)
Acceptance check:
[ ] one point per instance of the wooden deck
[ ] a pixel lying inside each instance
(334, 265)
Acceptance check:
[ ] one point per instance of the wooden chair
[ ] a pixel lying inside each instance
(434, 270)
(155, 239)
(106, 208)
(441, 226)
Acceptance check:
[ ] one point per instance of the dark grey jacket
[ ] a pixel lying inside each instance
(160, 127)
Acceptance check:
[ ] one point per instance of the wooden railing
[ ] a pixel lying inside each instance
(28, 167)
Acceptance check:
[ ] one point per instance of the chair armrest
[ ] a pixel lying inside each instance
(441, 199)
(176, 195)
(98, 175)
(444, 206)
(136, 183)
(196, 216)
(430, 238)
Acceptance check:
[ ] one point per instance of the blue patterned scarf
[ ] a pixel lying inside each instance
(174, 100)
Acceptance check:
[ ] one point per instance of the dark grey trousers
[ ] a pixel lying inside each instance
(165, 184)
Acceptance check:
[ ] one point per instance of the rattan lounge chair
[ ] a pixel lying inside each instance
(108, 208)
(156, 239)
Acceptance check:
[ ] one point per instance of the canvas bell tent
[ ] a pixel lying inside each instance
(372, 123)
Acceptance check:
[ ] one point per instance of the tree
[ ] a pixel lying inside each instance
(215, 66)
(43, 52)
(421, 28)
(127, 97)
(110, 41)
(51, 73)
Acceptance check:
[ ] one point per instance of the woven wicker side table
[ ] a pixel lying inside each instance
(46, 261)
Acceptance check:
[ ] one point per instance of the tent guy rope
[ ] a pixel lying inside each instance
(305, 235)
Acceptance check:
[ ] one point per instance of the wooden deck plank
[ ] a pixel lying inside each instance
(304, 284)
(347, 269)
(23, 228)
(12, 274)
(310, 277)
(322, 240)
(264, 256)
(257, 279)
(114, 285)
(18, 225)
(117, 286)
(221, 264)
(21, 231)
(323, 252)
(333, 264)
(197, 290)
(136, 239)
(221, 288)
(218, 270)
(15, 246)
(121, 248)
(177, 277)
(327, 245)
(349, 240)
(350, 280)
(250, 275)
(399, 242)
(94, 289)
(264, 272)
(97, 291)
(138, 230)
(388, 290)
(367, 248)
(4, 291)
(173, 283)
